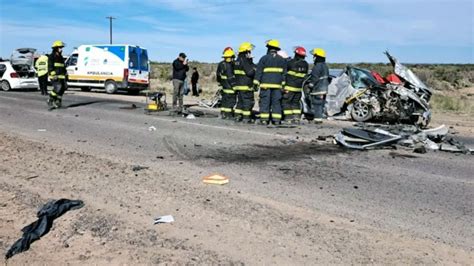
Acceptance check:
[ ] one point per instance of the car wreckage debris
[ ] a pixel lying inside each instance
(46, 215)
(369, 136)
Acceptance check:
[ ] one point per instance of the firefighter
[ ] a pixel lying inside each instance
(41, 66)
(244, 72)
(318, 84)
(225, 77)
(270, 78)
(297, 71)
(57, 74)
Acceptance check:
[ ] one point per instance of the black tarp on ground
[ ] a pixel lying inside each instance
(39, 228)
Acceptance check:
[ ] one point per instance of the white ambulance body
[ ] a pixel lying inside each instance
(109, 66)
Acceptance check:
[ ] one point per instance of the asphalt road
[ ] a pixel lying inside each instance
(426, 199)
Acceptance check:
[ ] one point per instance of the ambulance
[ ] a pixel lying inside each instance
(109, 66)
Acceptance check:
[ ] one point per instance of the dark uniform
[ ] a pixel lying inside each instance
(297, 70)
(270, 76)
(319, 82)
(58, 76)
(244, 72)
(225, 77)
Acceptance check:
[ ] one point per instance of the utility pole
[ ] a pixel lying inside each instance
(110, 19)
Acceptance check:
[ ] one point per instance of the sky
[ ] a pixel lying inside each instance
(415, 31)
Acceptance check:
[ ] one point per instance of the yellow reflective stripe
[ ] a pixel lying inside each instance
(296, 74)
(58, 64)
(229, 91)
(223, 77)
(52, 73)
(226, 110)
(264, 115)
(242, 88)
(276, 116)
(283, 83)
(239, 72)
(61, 76)
(53, 93)
(297, 111)
(256, 82)
(238, 111)
(293, 89)
(246, 113)
(287, 112)
(270, 86)
(273, 70)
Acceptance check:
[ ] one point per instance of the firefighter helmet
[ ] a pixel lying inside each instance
(299, 50)
(246, 47)
(228, 53)
(273, 43)
(318, 52)
(57, 44)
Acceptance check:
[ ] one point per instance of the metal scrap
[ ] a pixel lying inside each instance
(368, 136)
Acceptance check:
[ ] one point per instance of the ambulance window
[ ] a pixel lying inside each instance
(144, 60)
(133, 58)
(72, 60)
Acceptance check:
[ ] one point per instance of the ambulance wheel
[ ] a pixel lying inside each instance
(5, 85)
(86, 89)
(110, 86)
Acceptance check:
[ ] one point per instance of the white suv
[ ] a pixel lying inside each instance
(17, 77)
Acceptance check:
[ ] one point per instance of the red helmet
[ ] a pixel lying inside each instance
(228, 48)
(300, 51)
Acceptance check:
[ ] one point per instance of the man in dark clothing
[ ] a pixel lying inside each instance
(244, 72)
(194, 82)
(180, 67)
(318, 84)
(297, 71)
(57, 74)
(270, 78)
(225, 78)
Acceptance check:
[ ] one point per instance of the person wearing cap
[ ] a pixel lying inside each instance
(318, 84)
(225, 78)
(244, 72)
(180, 67)
(57, 74)
(297, 71)
(270, 78)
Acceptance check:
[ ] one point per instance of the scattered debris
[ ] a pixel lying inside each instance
(215, 179)
(32, 177)
(152, 128)
(46, 215)
(190, 116)
(367, 136)
(41, 130)
(137, 168)
(160, 157)
(164, 219)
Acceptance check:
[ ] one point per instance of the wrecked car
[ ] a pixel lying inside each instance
(364, 96)
(19, 73)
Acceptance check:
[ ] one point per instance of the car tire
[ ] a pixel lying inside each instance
(5, 86)
(86, 89)
(361, 111)
(110, 87)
